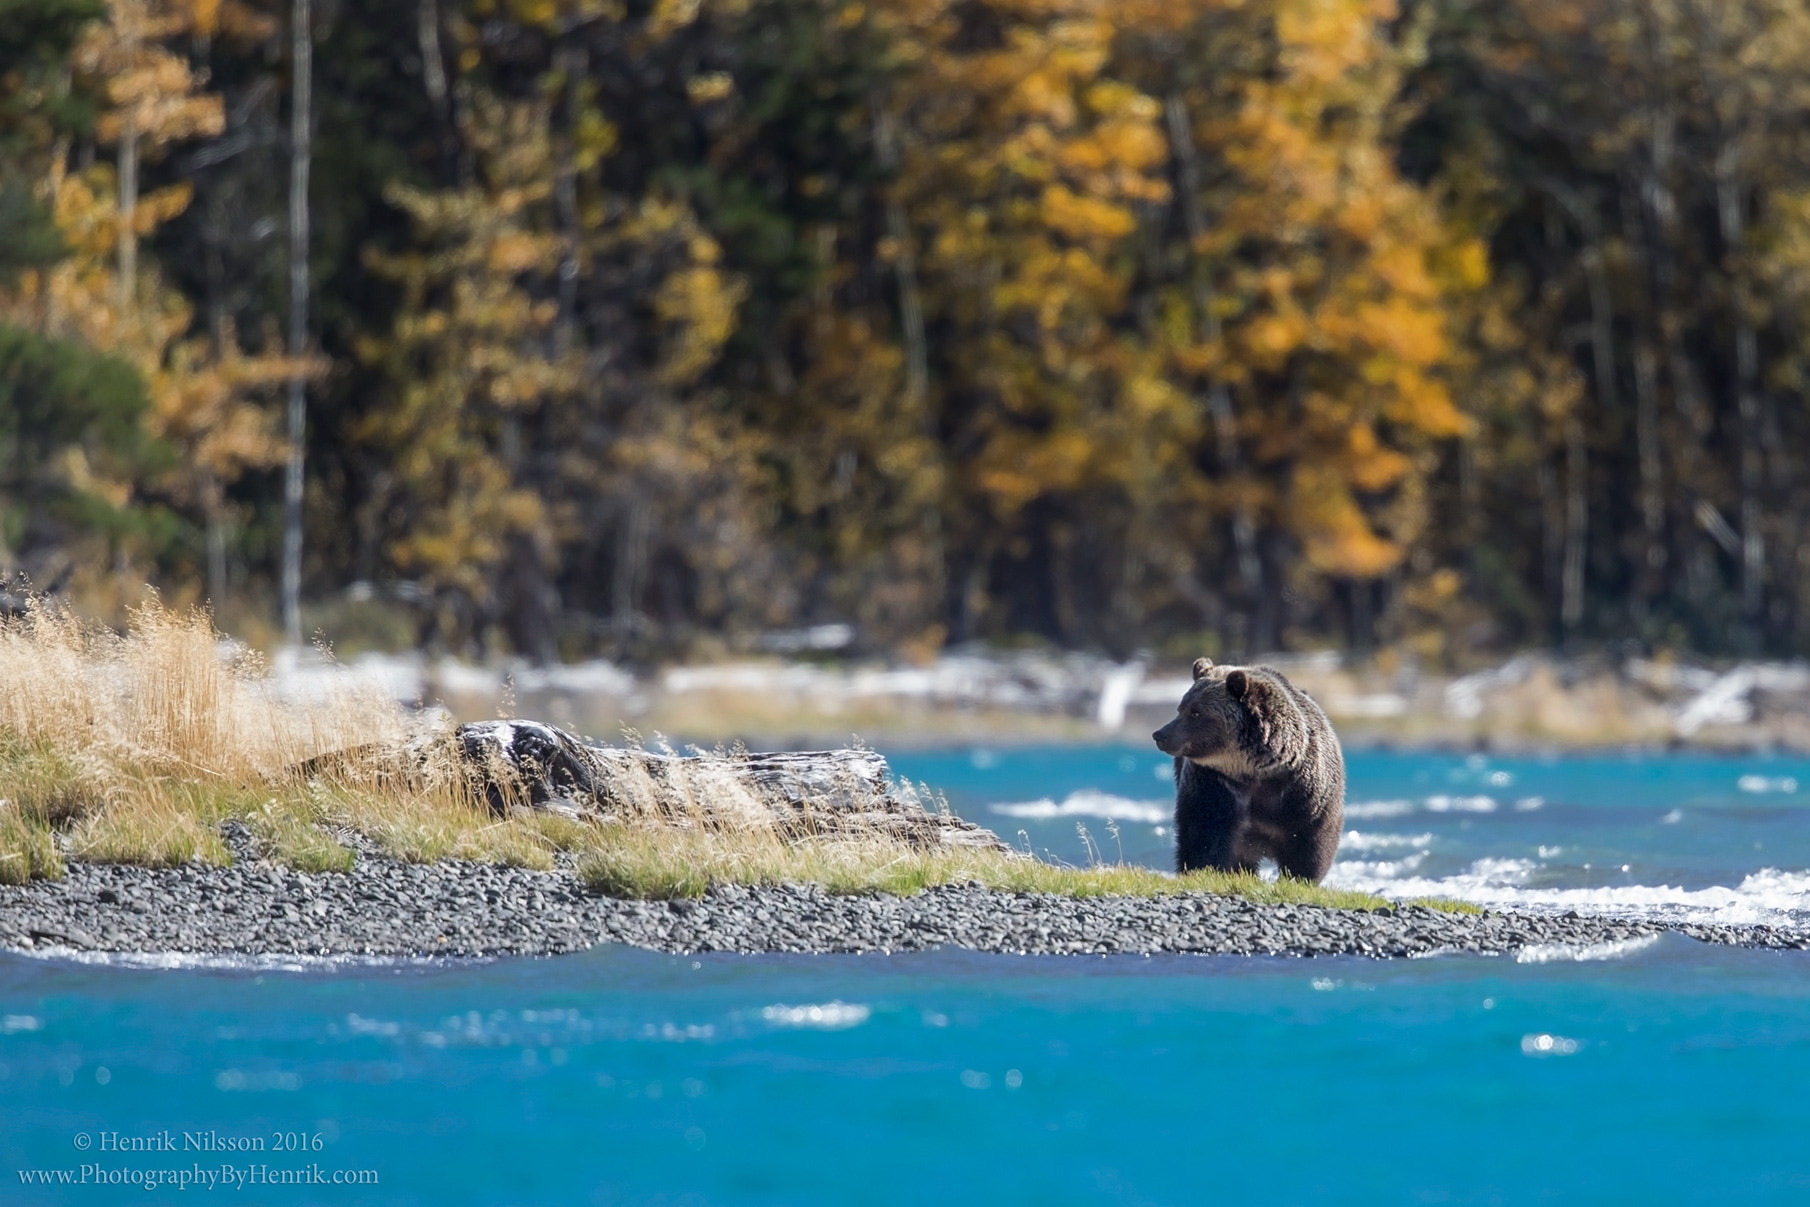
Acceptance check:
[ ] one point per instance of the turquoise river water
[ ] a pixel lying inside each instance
(1669, 1072)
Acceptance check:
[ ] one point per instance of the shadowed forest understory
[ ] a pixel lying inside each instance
(570, 328)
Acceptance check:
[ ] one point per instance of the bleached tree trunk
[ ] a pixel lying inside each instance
(441, 94)
(300, 150)
(433, 66)
(214, 506)
(128, 213)
(629, 570)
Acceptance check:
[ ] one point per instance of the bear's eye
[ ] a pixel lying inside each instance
(1194, 712)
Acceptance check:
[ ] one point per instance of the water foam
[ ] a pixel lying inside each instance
(1366, 809)
(1355, 841)
(1091, 802)
(1461, 804)
(1383, 870)
(1767, 896)
(1561, 953)
(181, 961)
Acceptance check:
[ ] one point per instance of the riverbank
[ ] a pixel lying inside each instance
(157, 796)
(1532, 701)
(381, 907)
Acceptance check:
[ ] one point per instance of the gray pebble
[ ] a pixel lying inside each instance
(382, 907)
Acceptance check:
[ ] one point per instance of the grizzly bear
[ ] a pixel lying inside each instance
(1258, 773)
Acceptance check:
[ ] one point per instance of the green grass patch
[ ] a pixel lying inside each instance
(1445, 905)
(156, 821)
(44, 783)
(658, 863)
(434, 823)
(289, 831)
(28, 849)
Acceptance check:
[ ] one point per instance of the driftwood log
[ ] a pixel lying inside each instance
(821, 793)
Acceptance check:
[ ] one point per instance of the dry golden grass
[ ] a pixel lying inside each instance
(133, 748)
(136, 747)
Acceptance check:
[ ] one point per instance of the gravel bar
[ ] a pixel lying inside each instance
(386, 908)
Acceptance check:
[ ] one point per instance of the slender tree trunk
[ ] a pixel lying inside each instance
(221, 333)
(572, 61)
(1362, 593)
(630, 567)
(1552, 538)
(1649, 549)
(1652, 486)
(1219, 399)
(1064, 609)
(1470, 502)
(1602, 347)
(433, 62)
(973, 600)
(1267, 621)
(1577, 523)
(1663, 239)
(912, 331)
(530, 595)
(1747, 402)
(128, 214)
(1787, 522)
(216, 513)
(1602, 328)
(1692, 415)
(1577, 465)
(1127, 603)
(898, 229)
(443, 97)
(300, 150)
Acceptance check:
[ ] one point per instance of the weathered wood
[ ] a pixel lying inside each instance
(824, 793)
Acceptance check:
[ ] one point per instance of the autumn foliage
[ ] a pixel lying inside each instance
(645, 327)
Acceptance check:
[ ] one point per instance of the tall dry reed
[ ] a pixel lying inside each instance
(171, 696)
(133, 746)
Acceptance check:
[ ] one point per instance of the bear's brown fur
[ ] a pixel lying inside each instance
(1258, 774)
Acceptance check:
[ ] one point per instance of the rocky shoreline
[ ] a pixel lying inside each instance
(386, 908)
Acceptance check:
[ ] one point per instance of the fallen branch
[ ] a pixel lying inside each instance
(821, 793)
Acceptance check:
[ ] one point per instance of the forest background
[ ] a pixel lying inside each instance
(640, 329)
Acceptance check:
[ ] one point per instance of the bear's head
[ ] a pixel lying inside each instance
(1227, 721)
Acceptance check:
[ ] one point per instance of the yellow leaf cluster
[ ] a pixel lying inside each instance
(1326, 304)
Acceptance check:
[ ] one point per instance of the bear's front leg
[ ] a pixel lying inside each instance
(1208, 818)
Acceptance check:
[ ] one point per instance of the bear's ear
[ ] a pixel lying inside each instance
(1202, 666)
(1237, 683)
